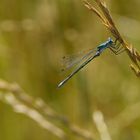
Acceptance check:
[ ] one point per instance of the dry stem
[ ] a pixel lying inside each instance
(110, 25)
(98, 118)
(38, 111)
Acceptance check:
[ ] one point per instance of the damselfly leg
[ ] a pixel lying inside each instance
(117, 48)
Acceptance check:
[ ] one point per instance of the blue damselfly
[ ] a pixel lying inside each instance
(93, 53)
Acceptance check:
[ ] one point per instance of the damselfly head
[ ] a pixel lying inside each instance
(110, 41)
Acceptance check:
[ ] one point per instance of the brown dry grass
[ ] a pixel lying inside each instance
(39, 111)
(106, 19)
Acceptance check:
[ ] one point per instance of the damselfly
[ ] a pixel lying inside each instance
(93, 53)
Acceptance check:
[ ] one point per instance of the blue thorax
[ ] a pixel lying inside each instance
(105, 45)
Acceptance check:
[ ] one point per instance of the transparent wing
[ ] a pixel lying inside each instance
(79, 68)
(70, 61)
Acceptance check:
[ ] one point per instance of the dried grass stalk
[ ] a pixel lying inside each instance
(39, 111)
(107, 20)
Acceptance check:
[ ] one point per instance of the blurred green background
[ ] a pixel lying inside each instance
(35, 34)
